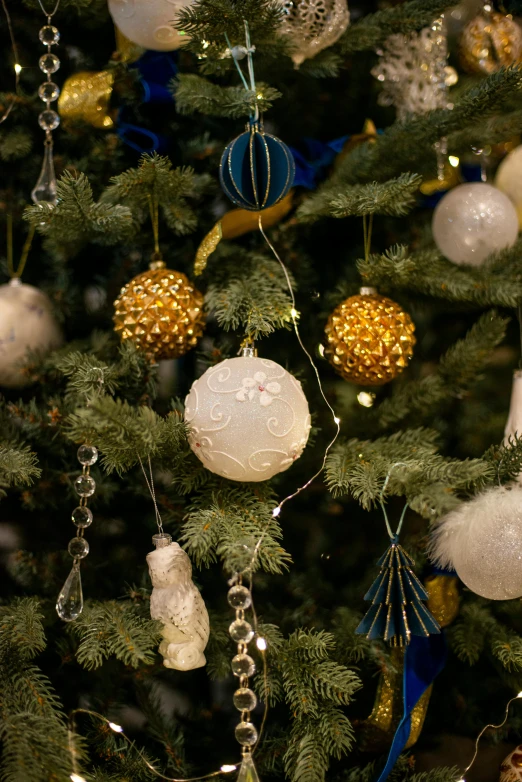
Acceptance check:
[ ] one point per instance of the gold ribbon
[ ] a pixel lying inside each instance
(236, 223)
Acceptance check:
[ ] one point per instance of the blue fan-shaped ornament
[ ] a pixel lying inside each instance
(257, 170)
(397, 611)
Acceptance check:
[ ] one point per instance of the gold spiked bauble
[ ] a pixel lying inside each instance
(161, 312)
(370, 338)
(489, 42)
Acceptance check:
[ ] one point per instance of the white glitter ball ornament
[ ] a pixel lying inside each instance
(509, 179)
(26, 324)
(482, 541)
(149, 23)
(248, 419)
(472, 221)
(312, 25)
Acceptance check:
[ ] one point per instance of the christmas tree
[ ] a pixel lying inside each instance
(330, 278)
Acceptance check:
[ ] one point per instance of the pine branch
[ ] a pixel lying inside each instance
(15, 145)
(498, 282)
(77, 219)
(251, 295)
(237, 527)
(115, 629)
(18, 466)
(468, 634)
(21, 628)
(396, 198)
(458, 370)
(196, 94)
(155, 180)
(373, 29)
(506, 460)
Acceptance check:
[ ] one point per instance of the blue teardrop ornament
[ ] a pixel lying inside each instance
(257, 170)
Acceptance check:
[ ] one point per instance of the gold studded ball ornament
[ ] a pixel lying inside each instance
(489, 42)
(161, 312)
(369, 338)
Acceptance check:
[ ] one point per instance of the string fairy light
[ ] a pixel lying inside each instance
(484, 729)
(17, 67)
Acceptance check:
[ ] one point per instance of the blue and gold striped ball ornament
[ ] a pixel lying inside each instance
(257, 170)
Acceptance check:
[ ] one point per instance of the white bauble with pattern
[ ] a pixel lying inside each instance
(248, 419)
(149, 23)
(26, 324)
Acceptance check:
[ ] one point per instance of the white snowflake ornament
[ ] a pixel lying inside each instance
(313, 25)
(176, 602)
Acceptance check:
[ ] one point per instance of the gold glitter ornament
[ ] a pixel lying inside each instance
(85, 97)
(369, 338)
(489, 42)
(161, 312)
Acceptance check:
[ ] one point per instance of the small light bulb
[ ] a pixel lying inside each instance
(276, 511)
(365, 399)
(227, 769)
(77, 778)
(293, 312)
(18, 68)
(453, 161)
(519, 695)
(337, 420)
(116, 728)
(261, 644)
(321, 350)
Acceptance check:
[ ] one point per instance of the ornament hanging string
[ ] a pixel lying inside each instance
(13, 274)
(154, 218)
(337, 421)
(150, 486)
(249, 49)
(393, 535)
(484, 729)
(49, 15)
(17, 67)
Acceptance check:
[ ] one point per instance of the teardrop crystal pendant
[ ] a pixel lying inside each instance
(248, 771)
(70, 600)
(45, 189)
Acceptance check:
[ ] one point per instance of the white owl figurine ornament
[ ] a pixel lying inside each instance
(176, 602)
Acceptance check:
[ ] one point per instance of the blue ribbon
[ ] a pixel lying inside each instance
(318, 157)
(424, 659)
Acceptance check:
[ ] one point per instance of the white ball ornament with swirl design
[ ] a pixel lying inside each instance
(248, 419)
(149, 23)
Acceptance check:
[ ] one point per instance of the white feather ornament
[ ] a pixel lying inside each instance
(482, 541)
(176, 602)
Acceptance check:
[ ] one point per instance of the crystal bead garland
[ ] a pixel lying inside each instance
(45, 189)
(243, 666)
(70, 600)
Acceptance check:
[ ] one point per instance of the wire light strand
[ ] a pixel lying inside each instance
(336, 420)
(17, 67)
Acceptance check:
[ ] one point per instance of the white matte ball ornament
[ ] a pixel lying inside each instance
(26, 324)
(482, 541)
(472, 221)
(509, 179)
(248, 419)
(149, 23)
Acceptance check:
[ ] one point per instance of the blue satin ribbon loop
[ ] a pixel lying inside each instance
(312, 166)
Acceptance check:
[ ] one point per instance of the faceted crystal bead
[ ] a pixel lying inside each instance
(82, 516)
(239, 597)
(84, 485)
(243, 665)
(241, 631)
(48, 91)
(87, 454)
(70, 600)
(48, 119)
(49, 63)
(246, 734)
(78, 548)
(49, 35)
(245, 699)
(248, 771)
(44, 192)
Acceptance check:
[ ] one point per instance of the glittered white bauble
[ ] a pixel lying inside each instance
(313, 25)
(482, 541)
(149, 23)
(26, 324)
(509, 179)
(472, 221)
(248, 418)
(511, 767)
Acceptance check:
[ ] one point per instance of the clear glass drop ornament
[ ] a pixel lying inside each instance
(44, 192)
(248, 771)
(70, 600)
